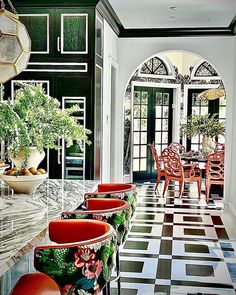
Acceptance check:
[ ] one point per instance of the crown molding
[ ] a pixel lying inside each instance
(106, 10)
(109, 14)
(232, 25)
(176, 32)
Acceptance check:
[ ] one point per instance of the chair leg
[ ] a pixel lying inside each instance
(208, 187)
(165, 186)
(199, 184)
(158, 181)
(181, 188)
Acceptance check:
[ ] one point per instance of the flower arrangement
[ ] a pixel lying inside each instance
(205, 125)
(35, 119)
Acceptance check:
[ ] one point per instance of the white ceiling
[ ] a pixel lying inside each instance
(187, 14)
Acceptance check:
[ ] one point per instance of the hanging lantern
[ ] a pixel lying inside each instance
(212, 94)
(15, 45)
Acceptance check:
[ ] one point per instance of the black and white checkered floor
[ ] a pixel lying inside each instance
(177, 246)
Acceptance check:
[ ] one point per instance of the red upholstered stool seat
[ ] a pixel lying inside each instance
(124, 191)
(81, 257)
(36, 284)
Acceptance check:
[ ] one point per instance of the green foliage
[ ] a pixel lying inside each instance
(204, 125)
(35, 119)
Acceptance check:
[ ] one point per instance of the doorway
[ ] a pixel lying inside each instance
(152, 123)
(197, 106)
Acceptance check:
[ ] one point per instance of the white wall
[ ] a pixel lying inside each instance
(110, 57)
(233, 140)
(182, 60)
(219, 51)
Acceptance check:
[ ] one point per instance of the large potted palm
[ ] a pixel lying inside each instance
(34, 121)
(208, 126)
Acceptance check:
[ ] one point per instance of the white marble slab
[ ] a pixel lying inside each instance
(24, 218)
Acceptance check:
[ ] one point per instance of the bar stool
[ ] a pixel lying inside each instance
(124, 191)
(36, 284)
(113, 211)
(81, 258)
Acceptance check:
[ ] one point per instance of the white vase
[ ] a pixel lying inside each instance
(208, 145)
(35, 158)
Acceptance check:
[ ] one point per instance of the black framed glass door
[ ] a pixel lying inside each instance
(198, 106)
(152, 122)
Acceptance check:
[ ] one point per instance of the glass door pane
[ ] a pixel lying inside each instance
(152, 117)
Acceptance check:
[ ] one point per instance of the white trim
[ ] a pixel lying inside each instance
(47, 16)
(55, 70)
(98, 18)
(112, 122)
(207, 78)
(101, 95)
(176, 111)
(97, 65)
(62, 33)
(75, 99)
(156, 76)
(57, 64)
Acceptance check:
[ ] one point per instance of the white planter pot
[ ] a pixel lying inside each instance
(208, 145)
(35, 158)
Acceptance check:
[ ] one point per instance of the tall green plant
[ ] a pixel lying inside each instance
(35, 119)
(205, 125)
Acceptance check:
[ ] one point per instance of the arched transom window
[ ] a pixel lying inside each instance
(205, 70)
(154, 66)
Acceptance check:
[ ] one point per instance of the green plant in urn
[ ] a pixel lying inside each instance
(35, 120)
(206, 125)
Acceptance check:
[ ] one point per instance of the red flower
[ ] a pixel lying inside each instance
(99, 217)
(94, 269)
(84, 257)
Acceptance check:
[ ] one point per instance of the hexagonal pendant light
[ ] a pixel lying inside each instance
(15, 46)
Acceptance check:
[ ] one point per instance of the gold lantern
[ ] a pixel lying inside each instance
(212, 94)
(15, 45)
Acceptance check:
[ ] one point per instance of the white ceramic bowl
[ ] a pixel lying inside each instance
(24, 184)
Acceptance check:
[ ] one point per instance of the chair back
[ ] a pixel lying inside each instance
(155, 157)
(81, 258)
(177, 147)
(219, 147)
(215, 167)
(123, 191)
(113, 211)
(172, 163)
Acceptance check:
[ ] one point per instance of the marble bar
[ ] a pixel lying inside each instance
(24, 218)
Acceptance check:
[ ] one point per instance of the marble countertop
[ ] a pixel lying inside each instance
(24, 218)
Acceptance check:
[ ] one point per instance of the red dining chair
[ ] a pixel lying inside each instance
(36, 284)
(158, 161)
(177, 147)
(81, 257)
(174, 171)
(219, 147)
(214, 171)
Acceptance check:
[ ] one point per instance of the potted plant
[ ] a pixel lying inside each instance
(34, 121)
(207, 126)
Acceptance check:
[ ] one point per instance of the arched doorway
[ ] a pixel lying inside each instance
(161, 94)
